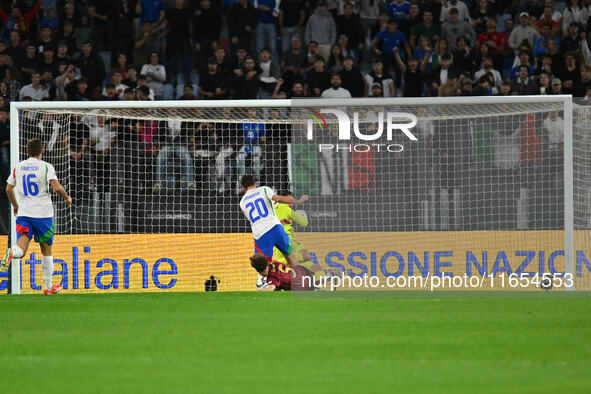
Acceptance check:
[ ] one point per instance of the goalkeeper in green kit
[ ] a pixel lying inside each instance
(287, 217)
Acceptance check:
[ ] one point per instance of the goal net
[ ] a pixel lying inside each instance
(399, 189)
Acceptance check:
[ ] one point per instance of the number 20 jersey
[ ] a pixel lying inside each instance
(31, 178)
(257, 205)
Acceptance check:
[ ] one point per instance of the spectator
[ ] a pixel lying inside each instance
(293, 60)
(438, 76)
(62, 81)
(226, 133)
(544, 83)
(523, 32)
(270, 73)
(242, 21)
(121, 30)
(321, 28)
(188, 93)
(413, 77)
(205, 146)
(487, 67)
(144, 46)
(399, 10)
(34, 90)
(547, 21)
(48, 83)
(249, 78)
(463, 12)
(291, 21)
(212, 84)
(346, 50)
(414, 18)
(335, 90)
(78, 90)
(254, 135)
(545, 66)
(178, 47)
(495, 42)
(47, 61)
(142, 81)
(466, 89)
(483, 88)
(46, 41)
(62, 52)
(349, 25)
(155, 74)
(120, 65)
(282, 91)
(451, 87)
(583, 82)
(481, 13)
(524, 85)
(553, 132)
(572, 41)
(464, 58)
(18, 22)
(454, 28)
(143, 93)
(381, 76)
(109, 93)
(335, 62)
(557, 86)
(83, 33)
(318, 80)
(542, 40)
(92, 67)
(29, 63)
(79, 144)
(50, 19)
(129, 94)
(569, 73)
(5, 94)
(441, 48)
(380, 24)
(223, 62)
(99, 11)
(574, 13)
(266, 31)
(351, 78)
(524, 59)
(69, 15)
(389, 39)
(376, 90)
(176, 135)
(116, 80)
(132, 77)
(207, 27)
(505, 88)
(427, 29)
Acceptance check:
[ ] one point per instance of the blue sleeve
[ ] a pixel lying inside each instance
(161, 6)
(261, 130)
(381, 34)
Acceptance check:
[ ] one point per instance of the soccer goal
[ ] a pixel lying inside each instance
(399, 188)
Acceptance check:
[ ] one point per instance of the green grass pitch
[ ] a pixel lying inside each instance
(277, 343)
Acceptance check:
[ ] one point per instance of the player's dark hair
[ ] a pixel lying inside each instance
(258, 262)
(286, 193)
(34, 147)
(247, 181)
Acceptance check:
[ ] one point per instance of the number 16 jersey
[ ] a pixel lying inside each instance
(31, 178)
(257, 205)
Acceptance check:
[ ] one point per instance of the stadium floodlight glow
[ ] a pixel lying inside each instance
(422, 186)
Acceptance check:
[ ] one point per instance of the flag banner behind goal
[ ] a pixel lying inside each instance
(400, 190)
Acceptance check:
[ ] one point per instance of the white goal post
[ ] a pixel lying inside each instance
(462, 198)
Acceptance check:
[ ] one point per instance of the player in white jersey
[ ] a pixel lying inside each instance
(267, 230)
(32, 206)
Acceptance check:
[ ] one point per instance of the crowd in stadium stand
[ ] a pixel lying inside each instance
(248, 49)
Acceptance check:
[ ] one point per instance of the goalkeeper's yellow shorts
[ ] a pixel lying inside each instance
(296, 248)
